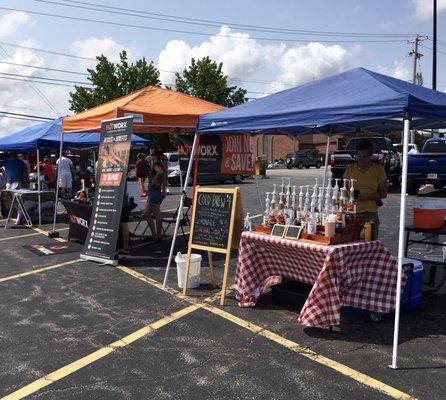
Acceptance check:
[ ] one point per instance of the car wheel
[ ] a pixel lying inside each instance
(237, 178)
(300, 165)
(438, 185)
(412, 187)
(318, 164)
(289, 166)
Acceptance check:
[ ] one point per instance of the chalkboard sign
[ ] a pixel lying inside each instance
(293, 232)
(278, 230)
(217, 223)
(212, 219)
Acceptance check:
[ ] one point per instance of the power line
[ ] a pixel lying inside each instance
(7, 113)
(431, 49)
(35, 88)
(44, 78)
(203, 22)
(45, 68)
(97, 21)
(34, 81)
(47, 51)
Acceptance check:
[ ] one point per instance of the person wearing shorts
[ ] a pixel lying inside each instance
(65, 175)
(155, 195)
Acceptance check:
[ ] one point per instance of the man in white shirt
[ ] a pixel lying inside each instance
(65, 175)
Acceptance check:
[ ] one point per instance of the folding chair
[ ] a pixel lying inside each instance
(171, 218)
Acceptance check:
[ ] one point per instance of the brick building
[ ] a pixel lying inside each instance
(278, 146)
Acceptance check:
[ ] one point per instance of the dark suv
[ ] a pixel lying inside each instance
(303, 158)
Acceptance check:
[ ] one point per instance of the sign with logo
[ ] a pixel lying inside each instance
(225, 154)
(114, 150)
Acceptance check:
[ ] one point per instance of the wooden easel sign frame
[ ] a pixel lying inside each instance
(217, 223)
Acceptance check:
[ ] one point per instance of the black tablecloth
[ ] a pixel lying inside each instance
(79, 215)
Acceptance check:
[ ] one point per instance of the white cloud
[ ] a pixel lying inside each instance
(11, 23)
(424, 8)
(93, 46)
(310, 62)
(243, 58)
(399, 70)
(356, 9)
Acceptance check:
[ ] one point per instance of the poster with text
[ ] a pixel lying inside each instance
(237, 157)
(114, 150)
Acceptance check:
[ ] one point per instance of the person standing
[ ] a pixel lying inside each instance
(65, 174)
(156, 194)
(48, 171)
(371, 181)
(142, 172)
(22, 158)
(16, 171)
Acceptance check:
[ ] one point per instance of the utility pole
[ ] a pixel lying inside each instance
(434, 47)
(416, 78)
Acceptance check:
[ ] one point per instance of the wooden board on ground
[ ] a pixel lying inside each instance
(217, 223)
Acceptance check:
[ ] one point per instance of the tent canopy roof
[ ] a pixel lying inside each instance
(47, 135)
(155, 110)
(352, 100)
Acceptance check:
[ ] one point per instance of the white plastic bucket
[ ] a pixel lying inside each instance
(194, 270)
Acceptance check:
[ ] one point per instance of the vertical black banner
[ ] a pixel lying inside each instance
(113, 160)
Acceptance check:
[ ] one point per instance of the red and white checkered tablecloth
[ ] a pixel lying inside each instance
(360, 274)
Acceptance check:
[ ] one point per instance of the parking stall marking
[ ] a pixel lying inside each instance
(290, 345)
(97, 355)
(36, 271)
(38, 232)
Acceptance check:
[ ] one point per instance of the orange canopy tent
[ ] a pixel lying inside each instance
(155, 110)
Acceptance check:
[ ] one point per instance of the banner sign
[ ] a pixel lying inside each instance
(225, 154)
(237, 156)
(114, 150)
(209, 153)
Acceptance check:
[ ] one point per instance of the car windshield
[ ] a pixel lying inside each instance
(378, 145)
(436, 146)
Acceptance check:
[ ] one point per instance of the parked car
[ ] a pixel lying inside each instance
(383, 153)
(304, 158)
(427, 166)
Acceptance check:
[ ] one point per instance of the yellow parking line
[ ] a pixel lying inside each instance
(36, 271)
(39, 232)
(312, 355)
(293, 346)
(20, 236)
(97, 355)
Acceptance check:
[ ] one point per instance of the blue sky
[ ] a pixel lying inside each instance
(259, 65)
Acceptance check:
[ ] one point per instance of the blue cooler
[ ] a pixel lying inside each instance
(411, 298)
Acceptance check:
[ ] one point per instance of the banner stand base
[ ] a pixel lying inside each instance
(99, 259)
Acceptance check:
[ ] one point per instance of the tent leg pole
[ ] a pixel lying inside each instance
(180, 208)
(327, 155)
(394, 364)
(53, 233)
(38, 186)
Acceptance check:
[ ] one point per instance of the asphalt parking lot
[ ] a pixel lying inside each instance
(73, 329)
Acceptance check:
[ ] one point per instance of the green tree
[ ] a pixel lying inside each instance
(111, 81)
(204, 79)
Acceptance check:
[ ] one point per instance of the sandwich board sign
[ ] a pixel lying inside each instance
(217, 223)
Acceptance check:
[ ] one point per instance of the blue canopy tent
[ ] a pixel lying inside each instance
(356, 100)
(47, 135)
